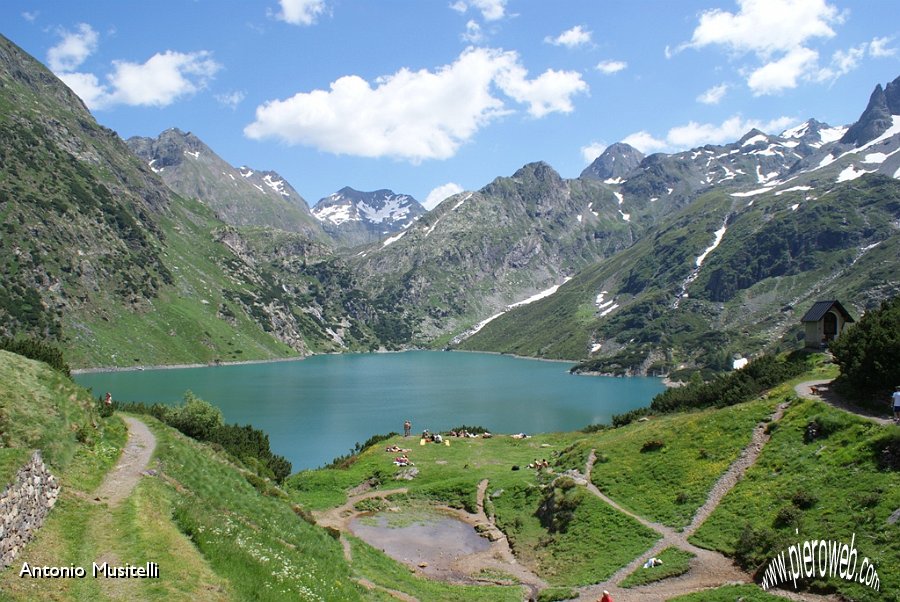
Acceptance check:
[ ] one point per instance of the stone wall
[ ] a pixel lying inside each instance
(24, 505)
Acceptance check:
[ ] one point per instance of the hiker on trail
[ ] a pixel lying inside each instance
(108, 400)
(606, 597)
(896, 399)
(407, 427)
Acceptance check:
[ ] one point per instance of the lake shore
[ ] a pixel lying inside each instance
(141, 367)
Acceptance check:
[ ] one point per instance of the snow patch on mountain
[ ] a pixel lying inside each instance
(754, 139)
(720, 233)
(793, 189)
(762, 190)
(394, 209)
(851, 173)
(536, 297)
(276, 185)
(393, 239)
(336, 214)
(698, 262)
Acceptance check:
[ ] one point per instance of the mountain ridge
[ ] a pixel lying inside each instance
(353, 217)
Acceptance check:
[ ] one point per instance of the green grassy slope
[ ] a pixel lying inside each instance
(213, 534)
(829, 488)
(778, 255)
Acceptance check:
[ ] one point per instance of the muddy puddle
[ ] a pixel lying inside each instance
(433, 542)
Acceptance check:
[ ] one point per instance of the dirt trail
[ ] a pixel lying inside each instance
(820, 390)
(499, 556)
(709, 569)
(124, 477)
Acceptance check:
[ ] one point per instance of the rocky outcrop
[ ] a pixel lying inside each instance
(24, 504)
(874, 121)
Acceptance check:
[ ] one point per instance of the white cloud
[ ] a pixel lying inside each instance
(783, 73)
(842, 62)
(473, 33)
(779, 33)
(31, 16)
(592, 151)
(300, 12)
(714, 95)
(878, 47)
(571, 38)
(74, 48)
(414, 115)
(87, 87)
(693, 134)
(697, 134)
(645, 143)
(767, 27)
(163, 79)
(440, 193)
(491, 10)
(231, 99)
(610, 66)
(550, 92)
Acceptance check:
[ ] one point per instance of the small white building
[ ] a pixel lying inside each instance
(824, 322)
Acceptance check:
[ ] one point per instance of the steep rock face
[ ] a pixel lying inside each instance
(892, 96)
(874, 121)
(241, 197)
(352, 217)
(616, 162)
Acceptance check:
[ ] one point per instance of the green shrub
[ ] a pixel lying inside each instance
(559, 505)
(652, 445)
(824, 426)
(788, 516)
(804, 499)
(887, 451)
(196, 418)
(869, 353)
(203, 421)
(755, 547)
(37, 350)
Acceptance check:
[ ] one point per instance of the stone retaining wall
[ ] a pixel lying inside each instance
(24, 505)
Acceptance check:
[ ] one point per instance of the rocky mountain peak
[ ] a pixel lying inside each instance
(615, 162)
(892, 96)
(540, 171)
(875, 120)
(355, 217)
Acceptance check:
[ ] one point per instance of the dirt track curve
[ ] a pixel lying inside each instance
(124, 477)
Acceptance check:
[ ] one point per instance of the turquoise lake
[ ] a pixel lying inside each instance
(318, 408)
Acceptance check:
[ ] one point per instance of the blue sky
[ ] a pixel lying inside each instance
(431, 97)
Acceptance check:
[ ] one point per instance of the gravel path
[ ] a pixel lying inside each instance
(124, 477)
(820, 390)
